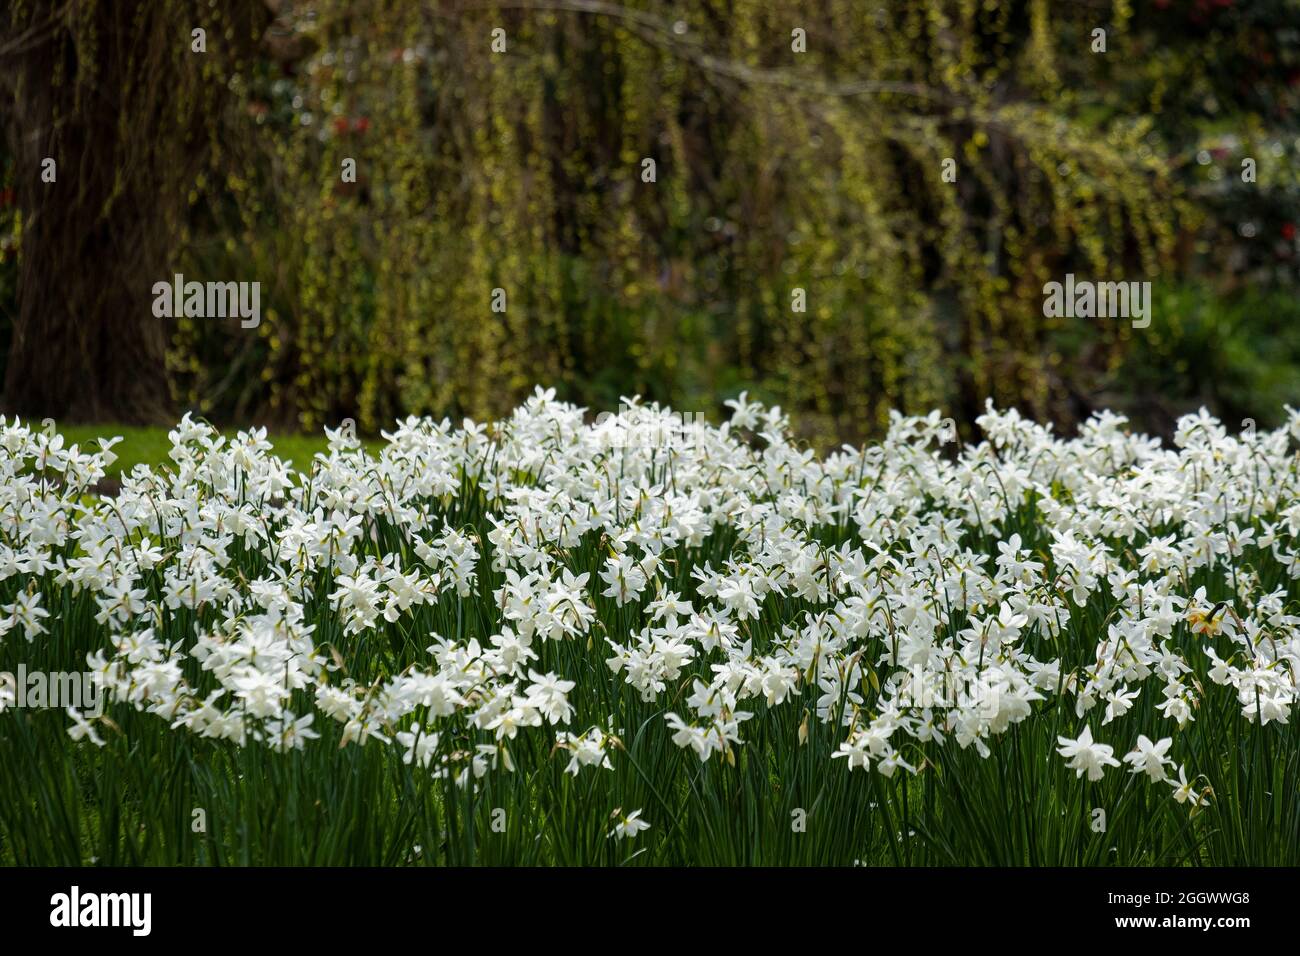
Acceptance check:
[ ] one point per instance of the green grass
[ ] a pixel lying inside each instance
(144, 445)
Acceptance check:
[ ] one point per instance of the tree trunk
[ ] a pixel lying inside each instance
(113, 93)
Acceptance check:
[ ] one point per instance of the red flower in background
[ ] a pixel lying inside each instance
(343, 125)
(1288, 231)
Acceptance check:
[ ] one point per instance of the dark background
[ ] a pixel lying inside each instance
(775, 170)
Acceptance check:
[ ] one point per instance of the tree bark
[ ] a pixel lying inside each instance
(113, 93)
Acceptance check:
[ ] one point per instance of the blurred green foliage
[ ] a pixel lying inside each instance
(775, 171)
(1237, 353)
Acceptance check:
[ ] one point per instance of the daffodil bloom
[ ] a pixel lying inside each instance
(464, 602)
(629, 826)
(1149, 758)
(1083, 755)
